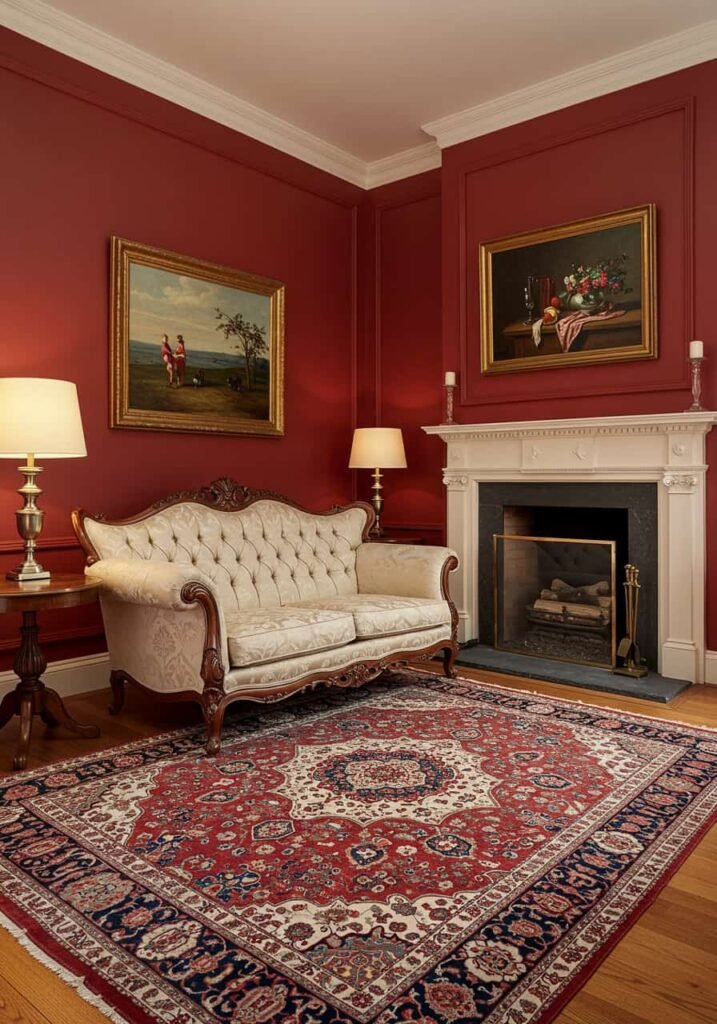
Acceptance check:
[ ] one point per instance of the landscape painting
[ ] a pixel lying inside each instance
(572, 294)
(195, 346)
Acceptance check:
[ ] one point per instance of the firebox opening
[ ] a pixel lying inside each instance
(625, 513)
(579, 523)
(555, 597)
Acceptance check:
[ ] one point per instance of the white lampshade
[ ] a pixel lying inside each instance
(377, 448)
(40, 417)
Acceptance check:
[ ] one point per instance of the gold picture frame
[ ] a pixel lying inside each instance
(194, 346)
(601, 272)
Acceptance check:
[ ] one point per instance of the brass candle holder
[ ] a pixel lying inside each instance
(696, 381)
(628, 648)
(450, 390)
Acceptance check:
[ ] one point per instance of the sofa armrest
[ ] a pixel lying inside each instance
(160, 584)
(169, 587)
(406, 570)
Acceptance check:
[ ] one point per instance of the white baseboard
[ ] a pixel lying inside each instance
(82, 675)
(711, 667)
(71, 676)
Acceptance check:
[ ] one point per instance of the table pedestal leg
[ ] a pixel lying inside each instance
(31, 697)
(55, 713)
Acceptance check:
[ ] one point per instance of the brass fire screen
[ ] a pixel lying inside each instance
(554, 597)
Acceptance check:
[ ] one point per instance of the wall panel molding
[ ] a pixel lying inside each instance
(57, 636)
(680, 381)
(16, 547)
(420, 193)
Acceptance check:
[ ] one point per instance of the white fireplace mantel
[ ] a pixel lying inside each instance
(668, 449)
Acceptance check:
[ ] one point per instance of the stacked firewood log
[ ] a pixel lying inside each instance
(589, 606)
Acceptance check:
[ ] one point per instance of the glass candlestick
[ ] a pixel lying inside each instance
(529, 301)
(450, 388)
(696, 374)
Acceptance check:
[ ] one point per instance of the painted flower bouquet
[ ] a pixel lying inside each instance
(590, 288)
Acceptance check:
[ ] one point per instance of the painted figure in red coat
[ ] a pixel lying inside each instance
(168, 358)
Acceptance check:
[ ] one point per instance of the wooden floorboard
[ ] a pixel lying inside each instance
(664, 971)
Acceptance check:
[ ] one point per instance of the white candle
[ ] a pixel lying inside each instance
(451, 377)
(696, 350)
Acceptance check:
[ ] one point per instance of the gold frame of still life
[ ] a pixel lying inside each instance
(571, 295)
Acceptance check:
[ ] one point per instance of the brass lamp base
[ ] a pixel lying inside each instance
(26, 574)
(377, 502)
(29, 525)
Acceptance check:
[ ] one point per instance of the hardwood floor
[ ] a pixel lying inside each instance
(664, 971)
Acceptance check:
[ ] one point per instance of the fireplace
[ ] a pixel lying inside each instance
(624, 515)
(663, 452)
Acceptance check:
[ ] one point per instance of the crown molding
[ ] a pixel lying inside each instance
(661, 57)
(106, 53)
(75, 38)
(408, 162)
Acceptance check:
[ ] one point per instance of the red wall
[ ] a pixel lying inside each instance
(85, 157)
(401, 357)
(653, 143)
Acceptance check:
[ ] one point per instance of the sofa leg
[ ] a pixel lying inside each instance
(214, 716)
(117, 681)
(449, 658)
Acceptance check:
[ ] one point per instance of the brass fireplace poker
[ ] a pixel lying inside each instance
(628, 648)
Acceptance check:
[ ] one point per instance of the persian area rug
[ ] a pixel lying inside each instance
(419, 850)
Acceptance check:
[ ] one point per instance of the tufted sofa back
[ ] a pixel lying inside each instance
(264, 555)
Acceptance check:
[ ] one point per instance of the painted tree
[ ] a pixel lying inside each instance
(251, 340)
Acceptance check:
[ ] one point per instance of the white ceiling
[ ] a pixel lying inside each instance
(363, 76)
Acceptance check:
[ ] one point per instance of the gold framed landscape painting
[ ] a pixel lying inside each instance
(570, 295)
(194, 346)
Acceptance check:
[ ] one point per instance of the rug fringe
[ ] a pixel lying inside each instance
(73, 980)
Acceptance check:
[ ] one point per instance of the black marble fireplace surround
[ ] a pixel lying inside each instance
(623, 512)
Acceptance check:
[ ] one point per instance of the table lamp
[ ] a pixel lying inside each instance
(377, 448)
(39, 418)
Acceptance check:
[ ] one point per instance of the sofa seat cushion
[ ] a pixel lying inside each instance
(255, 637)
(377, 615)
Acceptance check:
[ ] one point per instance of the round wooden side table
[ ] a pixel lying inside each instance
(31, 697)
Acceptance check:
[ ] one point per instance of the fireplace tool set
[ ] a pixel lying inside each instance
(628, 648)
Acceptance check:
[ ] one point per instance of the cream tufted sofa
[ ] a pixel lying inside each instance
(225, 594)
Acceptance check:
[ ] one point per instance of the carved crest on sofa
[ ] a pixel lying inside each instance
(224, 493)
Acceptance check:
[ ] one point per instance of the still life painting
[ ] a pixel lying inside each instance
(573, 294)
(195, 346)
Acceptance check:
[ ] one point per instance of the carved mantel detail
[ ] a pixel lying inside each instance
(455, 483)
(594, 426)
(680, 483)
(579, 452)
